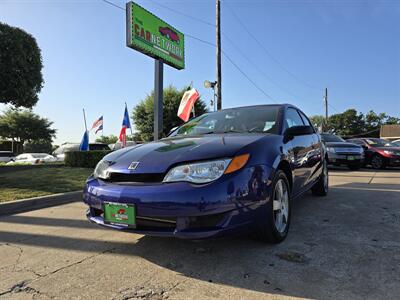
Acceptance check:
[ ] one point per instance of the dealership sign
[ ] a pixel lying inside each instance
(154, 37)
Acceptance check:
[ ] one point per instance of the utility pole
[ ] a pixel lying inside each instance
(218, 28)
(326, 109)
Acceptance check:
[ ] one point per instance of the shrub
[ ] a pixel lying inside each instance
(84, 159)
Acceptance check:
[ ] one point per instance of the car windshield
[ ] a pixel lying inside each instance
(327, 137)
(237, 120)
(379, 142)
(39, 155)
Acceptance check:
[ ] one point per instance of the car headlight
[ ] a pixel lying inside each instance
(331, 149)
(389, 152)
(101, 170)
(204, 172)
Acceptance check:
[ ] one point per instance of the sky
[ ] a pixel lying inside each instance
(275, 51)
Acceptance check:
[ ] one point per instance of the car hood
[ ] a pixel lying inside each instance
(157, 157)
(342, 145)
(397, 149)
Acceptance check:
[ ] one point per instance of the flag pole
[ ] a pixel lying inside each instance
(126, 106)
(84, 118)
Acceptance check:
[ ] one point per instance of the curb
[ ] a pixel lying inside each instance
(24, 205)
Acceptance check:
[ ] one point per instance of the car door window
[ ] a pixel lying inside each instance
(293, 118)
(305, 119)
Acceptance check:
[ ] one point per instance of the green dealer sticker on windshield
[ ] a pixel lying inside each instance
(119, 214)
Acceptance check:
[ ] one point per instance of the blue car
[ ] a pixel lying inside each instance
(234, 170)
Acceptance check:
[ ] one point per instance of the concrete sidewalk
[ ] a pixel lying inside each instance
(344, 246)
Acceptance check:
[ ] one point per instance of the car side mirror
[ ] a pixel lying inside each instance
(298, 130)
(173, 129)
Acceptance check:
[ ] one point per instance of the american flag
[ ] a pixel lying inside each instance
(98, 124)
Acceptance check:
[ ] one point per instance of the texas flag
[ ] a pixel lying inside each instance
(98, 124)
(125, 124)
(188, 100)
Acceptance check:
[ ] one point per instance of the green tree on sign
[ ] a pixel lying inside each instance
(20, 67)
(143, 113)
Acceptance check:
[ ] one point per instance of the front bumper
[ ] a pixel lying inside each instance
(180, 209)
(393, 161)
(345, 158)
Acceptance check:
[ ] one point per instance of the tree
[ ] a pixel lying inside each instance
(21, 67)
(143, 114)
(317, 120)
(347, 123)
(39, 146)
(353, 123)
(25, 126)
(107, 139)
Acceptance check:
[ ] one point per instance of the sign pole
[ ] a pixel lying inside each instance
(158, 98)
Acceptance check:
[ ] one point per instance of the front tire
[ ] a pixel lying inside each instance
(377, 162)
(275, 220)
(321, 187)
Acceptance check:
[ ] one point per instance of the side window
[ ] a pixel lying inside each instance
(305, 119)
(292, 118)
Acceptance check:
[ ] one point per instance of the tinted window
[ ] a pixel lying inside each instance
(305, 119)
(98, 147)
(242, 120)
(293, 118)
(379, 142)
(326, 137)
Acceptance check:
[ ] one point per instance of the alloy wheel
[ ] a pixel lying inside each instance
(281, 206)
(377, 162)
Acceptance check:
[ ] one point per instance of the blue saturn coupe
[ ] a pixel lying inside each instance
(236, 169)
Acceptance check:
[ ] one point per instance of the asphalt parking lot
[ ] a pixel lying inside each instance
(344, 246)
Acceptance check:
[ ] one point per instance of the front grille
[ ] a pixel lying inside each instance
(347, 150)
(139, 178)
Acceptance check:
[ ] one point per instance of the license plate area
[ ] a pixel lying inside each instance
(350, 157)
(119, 214)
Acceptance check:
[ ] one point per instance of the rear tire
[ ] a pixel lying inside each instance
(275, 220)
(377, 162)
(321, 187)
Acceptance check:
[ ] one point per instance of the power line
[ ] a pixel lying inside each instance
(192, 18)
(266, 51)
(223, 52)
(248, 78)
(113, 4)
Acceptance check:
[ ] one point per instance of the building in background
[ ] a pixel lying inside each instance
(390, 132)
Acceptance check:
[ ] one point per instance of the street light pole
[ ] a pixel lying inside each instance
(218, 28)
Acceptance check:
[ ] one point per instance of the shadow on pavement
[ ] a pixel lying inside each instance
(345, 245)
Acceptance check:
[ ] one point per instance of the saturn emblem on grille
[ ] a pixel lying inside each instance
(133, 165)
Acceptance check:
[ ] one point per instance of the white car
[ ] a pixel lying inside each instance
(396, 142)
(6, 156)
(33, 159)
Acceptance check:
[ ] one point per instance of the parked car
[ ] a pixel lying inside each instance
(341, 152)
(59, 153)
(379, 153)
(396, 142)
(32, 159)
(221, 172)
(6, 156)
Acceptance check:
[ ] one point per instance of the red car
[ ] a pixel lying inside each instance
(169, 34)
(379, 153)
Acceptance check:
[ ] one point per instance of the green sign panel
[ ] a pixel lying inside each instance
(154, 37)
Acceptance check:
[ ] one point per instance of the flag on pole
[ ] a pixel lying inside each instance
(84, 146)
(98, 129)
(187, 103)
(125, 124)
(97, 124)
